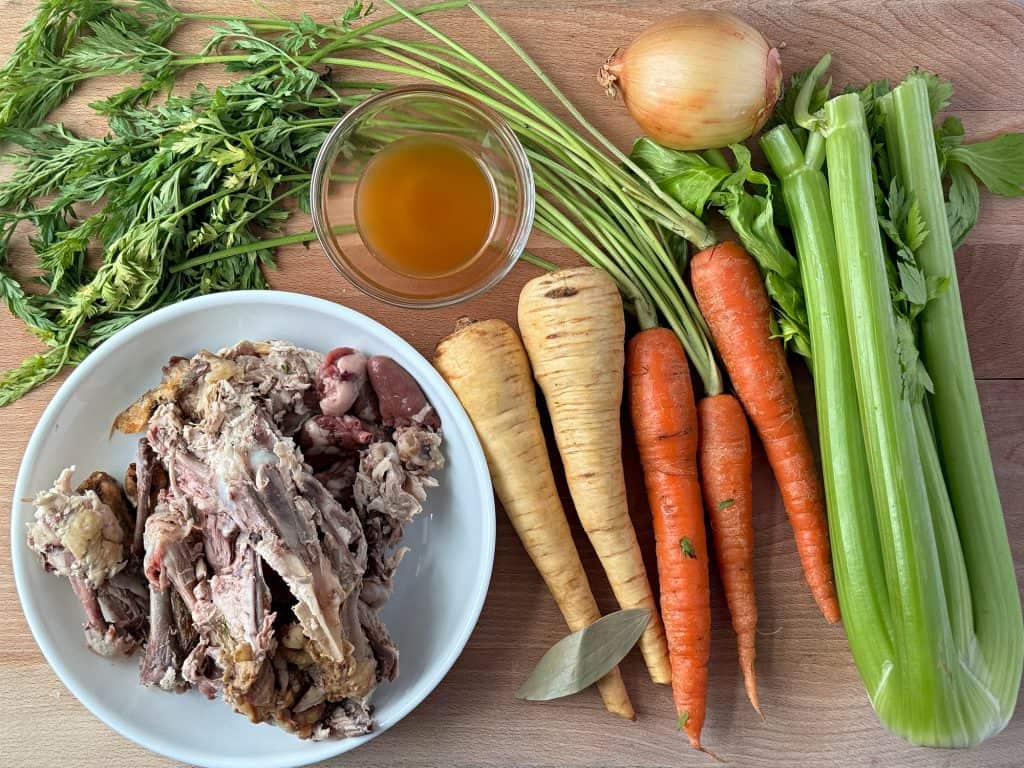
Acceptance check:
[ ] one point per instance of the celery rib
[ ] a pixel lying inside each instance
(860, 578)
(966, 462)
(925, 577)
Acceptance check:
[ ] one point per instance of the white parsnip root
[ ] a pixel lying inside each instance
(573, 327)
(485, 365)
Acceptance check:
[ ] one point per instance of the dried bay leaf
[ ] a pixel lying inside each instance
(584, 657)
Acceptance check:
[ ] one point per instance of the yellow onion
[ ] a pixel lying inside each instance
(697, 80)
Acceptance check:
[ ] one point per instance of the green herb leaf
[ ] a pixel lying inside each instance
(687, 176)
(939, 91)
(914, 229)
(998, 163)
(684, 718)
(950, 133)
(37, 370)
(58, 48)
(916, 381)
(912, 283)
(584, 657)
(686, 546)
(725, 504)
(789, 322)
(963, 203)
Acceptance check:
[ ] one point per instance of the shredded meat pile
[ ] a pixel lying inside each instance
(258, 531)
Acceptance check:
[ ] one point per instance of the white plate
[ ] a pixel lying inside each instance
(440, 587)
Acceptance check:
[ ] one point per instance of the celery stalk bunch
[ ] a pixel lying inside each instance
(923, 567)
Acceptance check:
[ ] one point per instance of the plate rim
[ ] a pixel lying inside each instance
(463, 428)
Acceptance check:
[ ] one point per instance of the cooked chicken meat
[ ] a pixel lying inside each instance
(270, 490)
(79, 535)
(82, 526)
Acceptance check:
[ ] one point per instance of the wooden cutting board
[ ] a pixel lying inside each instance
(817, 712)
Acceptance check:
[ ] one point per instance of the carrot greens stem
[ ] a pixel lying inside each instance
(537, 261)
(596, 199)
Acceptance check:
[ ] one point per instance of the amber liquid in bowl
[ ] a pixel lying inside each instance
(425, 206)
(422, 198)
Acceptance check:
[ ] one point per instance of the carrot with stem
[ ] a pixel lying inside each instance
(732, 298)
(485, 365)
(725, 474)
(665, 422)
(573, 328)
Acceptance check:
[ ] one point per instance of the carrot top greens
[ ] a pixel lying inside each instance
(192, 190)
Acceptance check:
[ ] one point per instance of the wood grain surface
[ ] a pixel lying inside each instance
(817, 712)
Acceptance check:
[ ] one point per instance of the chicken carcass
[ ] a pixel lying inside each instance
(271, 489)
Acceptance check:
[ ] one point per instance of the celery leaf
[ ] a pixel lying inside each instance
(752, 216)
(912, 283)
(870, 94)
(686, 176)
(963, 203)
(914, 229)
(789, 321)
(951, 133)
(939, 91)
(916, 381)
(998, 163)
(962, 199)
(906, 230)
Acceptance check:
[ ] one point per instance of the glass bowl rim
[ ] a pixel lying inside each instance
(522, 171)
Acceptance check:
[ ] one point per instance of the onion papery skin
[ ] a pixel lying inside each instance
(697, 80)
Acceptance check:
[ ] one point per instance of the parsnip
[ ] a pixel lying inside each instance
(574, 330)
(485, 365)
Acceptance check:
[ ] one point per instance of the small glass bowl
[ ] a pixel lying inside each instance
(416, 111)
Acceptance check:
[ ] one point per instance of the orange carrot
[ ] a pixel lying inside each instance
(732, 299)
(665, 423)
(725, 471)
